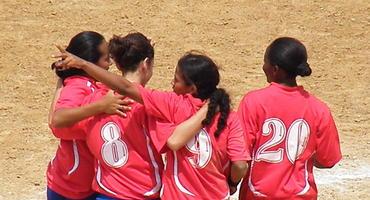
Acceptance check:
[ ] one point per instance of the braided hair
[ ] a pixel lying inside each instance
(201, 71)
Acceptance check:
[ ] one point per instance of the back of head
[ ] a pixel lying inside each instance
(130, 50)
(290, 55)
(86, 46)
(200, 70)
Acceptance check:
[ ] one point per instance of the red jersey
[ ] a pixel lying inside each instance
(71, 171)
(287, 129)
(128, 166)
(196, 171)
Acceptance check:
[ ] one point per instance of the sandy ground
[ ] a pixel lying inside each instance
(234, 33)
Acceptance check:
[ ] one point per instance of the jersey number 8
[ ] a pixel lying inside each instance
(114, 150)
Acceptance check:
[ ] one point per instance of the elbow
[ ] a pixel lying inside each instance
(173, 145)
(320, 166)
(241, 167)
(56, 122)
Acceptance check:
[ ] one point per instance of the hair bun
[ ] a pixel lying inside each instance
(304, 69)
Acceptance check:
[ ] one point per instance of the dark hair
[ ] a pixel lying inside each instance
(130, 50)
(201, 71)
(84, 45)
(290, 55)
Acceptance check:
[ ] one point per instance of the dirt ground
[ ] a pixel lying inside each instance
(234, 33)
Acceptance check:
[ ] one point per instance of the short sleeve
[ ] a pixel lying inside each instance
(159, 132)
(74, 132)
(159, 104)
(78, 130)
(72, 95)
(328, 151)
(236, 144)
(248, 122)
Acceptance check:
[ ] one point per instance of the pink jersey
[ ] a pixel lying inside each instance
(196, 171)
(128, 166)
(287, 129)
(71, 172)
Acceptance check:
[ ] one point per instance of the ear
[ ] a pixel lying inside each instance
(146, 64)
(193, 89)
(275, 69)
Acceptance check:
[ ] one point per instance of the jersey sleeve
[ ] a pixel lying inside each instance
(161, 133)
(328, 151)
(72, 95)
(248, 122)
(236, 144)
(159, 104)
(74, 132)
(78, 130)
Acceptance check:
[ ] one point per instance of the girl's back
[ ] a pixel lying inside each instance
(196, 171)
(287, 128)
(73, 161)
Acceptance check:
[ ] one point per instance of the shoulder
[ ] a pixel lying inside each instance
(233, 119)
(254, 98)
(78, 81)
(318, 105)
(256, 94)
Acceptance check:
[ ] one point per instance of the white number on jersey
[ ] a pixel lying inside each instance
(201, 146)
(114, 151)
(296, 141)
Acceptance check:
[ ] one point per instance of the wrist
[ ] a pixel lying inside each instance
(231, 183)
(100, 107)
(83, 64)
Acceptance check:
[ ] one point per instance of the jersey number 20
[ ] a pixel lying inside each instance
(296, 140)
(114, 150)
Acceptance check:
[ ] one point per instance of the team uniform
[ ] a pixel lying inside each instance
(286, 129)
(71, 172)
(127, 166)
(196, 171)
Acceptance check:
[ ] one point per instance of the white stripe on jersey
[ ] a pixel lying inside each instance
(175, 176)
(157, 187)
(307, 186)
(98, 179)
(77, 158)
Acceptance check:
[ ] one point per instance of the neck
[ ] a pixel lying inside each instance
(288, 82)
(133, 77)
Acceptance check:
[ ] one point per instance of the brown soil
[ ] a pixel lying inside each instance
(234, 33)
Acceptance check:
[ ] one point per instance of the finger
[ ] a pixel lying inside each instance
(125, 102)
(59, 55)
(128, 101)
(119, 96)
(125, 108)
(120, 113)
(61, 49)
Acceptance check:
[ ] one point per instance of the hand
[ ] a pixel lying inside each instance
(68, 60)
(115, 104)
(233, 189)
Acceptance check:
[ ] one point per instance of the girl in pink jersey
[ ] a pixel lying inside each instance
(122, 145)
(289, 130)
(70, 173)
(195, 169)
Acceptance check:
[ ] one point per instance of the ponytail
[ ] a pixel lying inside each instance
(84, 45)
(218, 99)
(65, 73)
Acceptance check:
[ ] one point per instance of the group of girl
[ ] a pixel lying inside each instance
(186, 144)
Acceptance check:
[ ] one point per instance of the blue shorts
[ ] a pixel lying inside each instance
(104, 197)
(51, 195)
